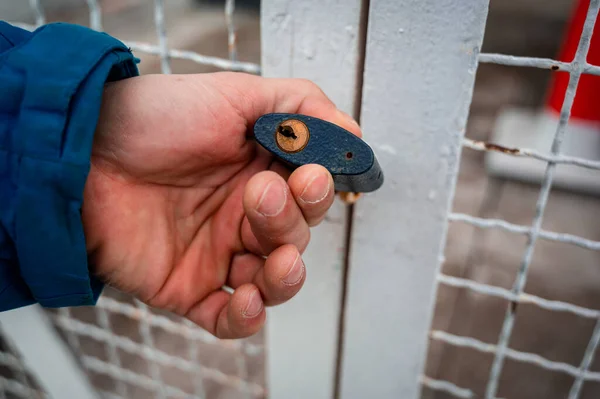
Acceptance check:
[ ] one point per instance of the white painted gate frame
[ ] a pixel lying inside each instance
(405, 69)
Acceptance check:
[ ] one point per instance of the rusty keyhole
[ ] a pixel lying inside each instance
(292, 135)
(287, 131)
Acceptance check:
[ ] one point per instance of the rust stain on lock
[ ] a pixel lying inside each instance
(292, 135)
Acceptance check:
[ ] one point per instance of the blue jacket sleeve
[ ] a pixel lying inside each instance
(51, 85)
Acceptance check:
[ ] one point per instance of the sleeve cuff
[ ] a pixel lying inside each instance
(64, 68)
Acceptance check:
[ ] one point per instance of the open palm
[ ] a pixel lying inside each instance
(180, 201)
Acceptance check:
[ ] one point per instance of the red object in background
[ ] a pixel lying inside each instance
(587, 99)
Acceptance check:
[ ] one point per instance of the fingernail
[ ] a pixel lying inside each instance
(295, 273)
(316, 190)
(254, 307)
(272, 201)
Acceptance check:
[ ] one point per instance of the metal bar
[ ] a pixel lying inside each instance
(20, 390)
(521, 279)
(150, 354)
(447, 387)
(485, 223)
(187, 330)
(9, 360)
(242, 370)
(40, 18)
(149, 348)
(15, 366)
(231, 31)
(198, 58)
(197, 374)
(16, 363)
(95, 15)
(525, 152)
(112, 353)
(524, 357)
(159, 22)
(591, 69)
(533, 62)
(98, 366)
(588, 358)
(300, 39)
(72, 339)
(498, 292)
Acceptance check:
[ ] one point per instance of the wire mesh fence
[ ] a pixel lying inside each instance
(130, 350)
(500, 350)
(16, 381)
(127, 349)
(161, 48)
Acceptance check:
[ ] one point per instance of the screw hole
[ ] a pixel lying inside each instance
(287, 131)
(349, 155)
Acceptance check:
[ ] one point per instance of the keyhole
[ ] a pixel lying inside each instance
(287, 131)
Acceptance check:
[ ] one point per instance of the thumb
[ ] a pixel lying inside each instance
(253, 96)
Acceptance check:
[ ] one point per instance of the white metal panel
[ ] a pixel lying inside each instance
(46, 354)
(421, 58)
(317, 40)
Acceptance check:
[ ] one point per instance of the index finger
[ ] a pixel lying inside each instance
(253, 96)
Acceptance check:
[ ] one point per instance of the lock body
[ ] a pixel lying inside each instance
(298, 140)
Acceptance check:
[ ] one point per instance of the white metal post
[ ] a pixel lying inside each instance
(421, 58)
(317, 40)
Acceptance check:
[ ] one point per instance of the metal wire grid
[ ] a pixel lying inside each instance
(516, 295)
(15, 381)
(162, 49)
(156, 359)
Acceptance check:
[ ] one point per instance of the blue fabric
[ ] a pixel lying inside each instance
(51, 85)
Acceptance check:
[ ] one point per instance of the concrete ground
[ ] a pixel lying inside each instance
(558, 271)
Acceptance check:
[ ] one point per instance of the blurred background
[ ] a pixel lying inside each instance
(563, 272)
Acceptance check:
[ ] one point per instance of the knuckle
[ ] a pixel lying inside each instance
(316, 220)
(310, 86)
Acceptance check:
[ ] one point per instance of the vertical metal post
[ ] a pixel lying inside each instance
(421, 58)
(95, 15)
(159, 21)
(319, 41)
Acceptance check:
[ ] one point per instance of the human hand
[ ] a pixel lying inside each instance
(180, 201)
